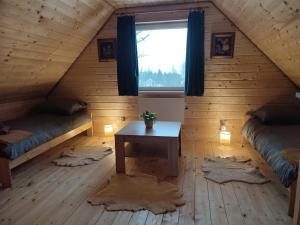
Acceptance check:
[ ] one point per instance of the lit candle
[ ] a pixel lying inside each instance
(108, 130)
(225, 137)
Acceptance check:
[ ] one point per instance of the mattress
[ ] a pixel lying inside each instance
(270, 141)
(44, 127)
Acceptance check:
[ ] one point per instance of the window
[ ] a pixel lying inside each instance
(161, 55)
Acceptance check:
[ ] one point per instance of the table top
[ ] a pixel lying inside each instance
(160, 129)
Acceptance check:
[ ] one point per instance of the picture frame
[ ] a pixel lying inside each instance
(107, 49)
(222, 45)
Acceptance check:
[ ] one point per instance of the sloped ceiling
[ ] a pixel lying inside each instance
(273, 25)
(40, 39)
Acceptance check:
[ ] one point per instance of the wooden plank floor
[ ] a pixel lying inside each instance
(44, 194)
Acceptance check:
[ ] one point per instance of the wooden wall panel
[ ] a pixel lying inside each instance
(133, 3)
(233, 86)
(274, 26)
(40, 39)
(15, 109)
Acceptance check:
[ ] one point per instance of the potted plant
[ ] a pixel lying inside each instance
(148, 117)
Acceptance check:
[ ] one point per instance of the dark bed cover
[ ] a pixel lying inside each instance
(270, 141)
(43, 127)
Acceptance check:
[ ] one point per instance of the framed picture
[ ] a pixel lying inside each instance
(107, 49)
(222, 45)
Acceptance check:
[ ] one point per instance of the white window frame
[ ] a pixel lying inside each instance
(141, 26)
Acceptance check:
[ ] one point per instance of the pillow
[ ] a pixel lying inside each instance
(278, 114)
(4, 129)
(61, 106)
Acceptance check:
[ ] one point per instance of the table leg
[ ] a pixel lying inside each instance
(173, 149)
(120, 154)
(179, 140)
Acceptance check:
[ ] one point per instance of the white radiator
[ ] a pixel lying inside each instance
(167, 109)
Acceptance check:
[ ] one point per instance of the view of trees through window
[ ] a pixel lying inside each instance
(161, 56)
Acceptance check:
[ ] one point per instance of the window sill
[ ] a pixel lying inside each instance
(161, 94)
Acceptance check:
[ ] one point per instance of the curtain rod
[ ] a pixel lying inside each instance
(160, 11)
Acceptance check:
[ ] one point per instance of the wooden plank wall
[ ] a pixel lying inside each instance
(233, 86)
(274, 26)
(40, 39)
(15, 109)
(133, 3)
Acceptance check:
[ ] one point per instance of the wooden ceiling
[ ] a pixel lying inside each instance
(40, 39)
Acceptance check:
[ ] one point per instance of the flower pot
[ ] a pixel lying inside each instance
(148, 124)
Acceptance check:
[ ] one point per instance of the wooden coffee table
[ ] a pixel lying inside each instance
(168, 133)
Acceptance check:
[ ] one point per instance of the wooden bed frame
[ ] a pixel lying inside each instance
(296, 202)
(294, 190)
(293, 156)
(6, 165)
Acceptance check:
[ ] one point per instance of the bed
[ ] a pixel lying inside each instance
(270, 141)
(50, 124)
(273, 131)
(44, 127)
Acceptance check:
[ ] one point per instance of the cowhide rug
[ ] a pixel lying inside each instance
(80, 156)
(223, 170)
(138, 192)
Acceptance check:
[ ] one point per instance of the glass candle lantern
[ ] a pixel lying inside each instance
(108, 130)
(225, 137)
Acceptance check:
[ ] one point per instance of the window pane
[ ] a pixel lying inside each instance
(161, 55)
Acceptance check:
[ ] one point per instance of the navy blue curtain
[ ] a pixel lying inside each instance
(195, 59)
(127, 61)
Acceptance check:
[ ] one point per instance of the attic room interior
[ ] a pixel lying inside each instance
(149, 112)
